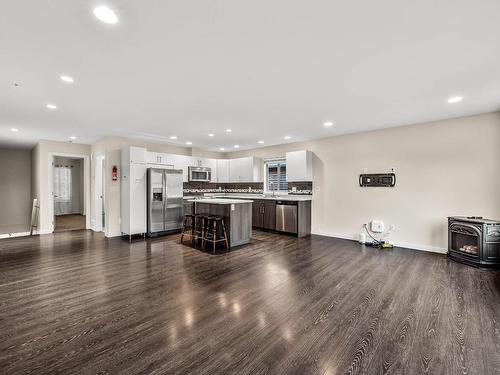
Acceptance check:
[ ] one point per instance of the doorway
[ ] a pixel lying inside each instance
(69, 193)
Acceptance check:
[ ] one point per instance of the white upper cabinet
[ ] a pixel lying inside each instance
(181, 162)
(212, 164)
(247, 169)
(299, 166)
(158, 158)
(222, 170)
(197, 161)
(134, 154)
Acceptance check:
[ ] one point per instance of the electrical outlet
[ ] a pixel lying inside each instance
(377, 226)
(317, 189)
(392, 227)
(294, 189)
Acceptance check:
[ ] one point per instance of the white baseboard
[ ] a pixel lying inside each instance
(353, 237)
(113, 234)
(12, 235)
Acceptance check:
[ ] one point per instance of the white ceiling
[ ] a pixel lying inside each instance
(265, 69)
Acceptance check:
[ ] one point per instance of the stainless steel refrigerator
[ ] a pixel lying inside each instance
(164, 200)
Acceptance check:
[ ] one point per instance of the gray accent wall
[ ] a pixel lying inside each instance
(15, 190)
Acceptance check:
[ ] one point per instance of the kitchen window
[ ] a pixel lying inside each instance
(276, 176)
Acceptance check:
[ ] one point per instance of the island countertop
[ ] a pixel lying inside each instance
(294, 198)
(220, 201)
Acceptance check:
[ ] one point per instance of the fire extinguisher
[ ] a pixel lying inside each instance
(114, 173)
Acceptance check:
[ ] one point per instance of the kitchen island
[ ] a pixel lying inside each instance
(237, 215)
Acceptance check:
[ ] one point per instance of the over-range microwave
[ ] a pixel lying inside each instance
(202, 174)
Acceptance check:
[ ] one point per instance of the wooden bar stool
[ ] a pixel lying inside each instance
(200, 223)
(210, 233)
(189, 225)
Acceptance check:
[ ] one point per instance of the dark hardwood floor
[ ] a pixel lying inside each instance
(75, 302)
(69, 222)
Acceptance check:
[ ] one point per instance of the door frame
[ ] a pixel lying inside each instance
(86, 187)
(99, 209)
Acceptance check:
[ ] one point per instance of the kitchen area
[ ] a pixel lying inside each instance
(159, 191)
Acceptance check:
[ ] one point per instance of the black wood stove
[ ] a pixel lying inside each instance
(474, 241)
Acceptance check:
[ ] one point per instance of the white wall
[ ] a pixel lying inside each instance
(443, 168)
(15, 190)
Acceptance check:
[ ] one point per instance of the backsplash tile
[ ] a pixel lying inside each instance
(199, 188)
(301, 188)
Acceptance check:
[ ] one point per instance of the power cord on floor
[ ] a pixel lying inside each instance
(376, 242)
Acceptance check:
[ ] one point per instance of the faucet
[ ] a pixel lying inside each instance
(272, 188)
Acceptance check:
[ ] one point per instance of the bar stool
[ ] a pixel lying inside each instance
(200, 223)
(189, 224)
(211, 229)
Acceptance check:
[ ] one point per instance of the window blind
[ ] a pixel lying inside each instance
(276, 176)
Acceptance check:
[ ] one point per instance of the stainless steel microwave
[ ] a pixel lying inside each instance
(203, 174)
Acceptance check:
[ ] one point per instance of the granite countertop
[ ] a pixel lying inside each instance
(220, 201)
(260, 197)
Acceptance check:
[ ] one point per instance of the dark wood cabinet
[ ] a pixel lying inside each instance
(257, 217)
(269, 215)
(264, 214)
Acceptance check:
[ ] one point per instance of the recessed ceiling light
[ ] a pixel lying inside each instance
(105, 14)
(287, 137)
(173, 137)
(236, 146)
(51, 106)
(67, 79)
(14, 130)
(455, 99)
(229, 130)
(211, 135)
(189, 143)
(261, 142)
(328, 124)
(72, 137)
(221, 148)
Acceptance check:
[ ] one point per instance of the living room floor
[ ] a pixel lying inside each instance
(75, 302)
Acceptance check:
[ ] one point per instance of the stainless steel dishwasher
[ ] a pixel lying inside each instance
(286, 216)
